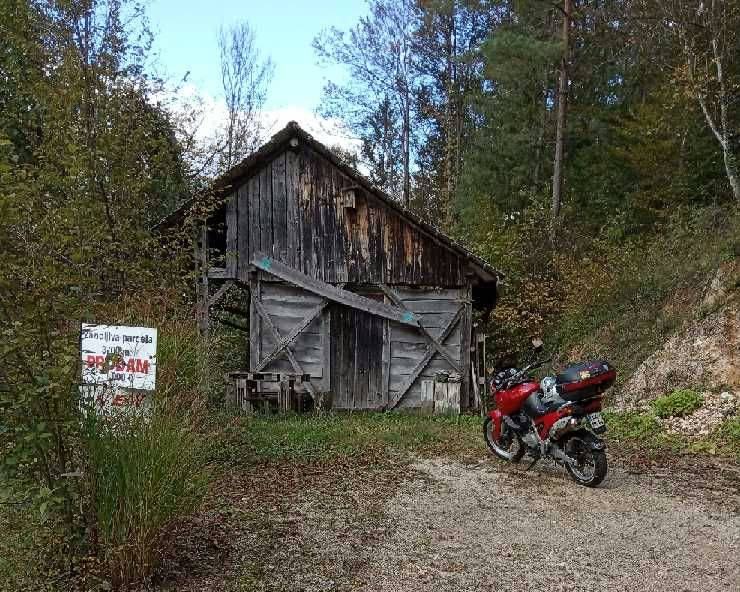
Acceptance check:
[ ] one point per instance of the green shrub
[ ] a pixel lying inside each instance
(143, 475)
(631, 425)
(729, 432)
(678, 404)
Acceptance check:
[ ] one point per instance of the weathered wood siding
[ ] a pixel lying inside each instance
(293, 209)
(357, 359)
(287, 306)
(435, 308)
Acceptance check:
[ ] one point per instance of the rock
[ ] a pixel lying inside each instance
(714, 410)
(706, 351)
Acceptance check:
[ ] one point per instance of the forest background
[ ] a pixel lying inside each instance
(588, 149)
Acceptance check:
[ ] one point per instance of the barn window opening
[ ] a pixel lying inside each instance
(217, 238)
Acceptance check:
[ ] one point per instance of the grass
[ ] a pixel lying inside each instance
(296, 437)
(643, 430)
(679, 403)
(143, 475)
(24, 540)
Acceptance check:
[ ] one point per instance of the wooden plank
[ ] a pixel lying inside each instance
(276, 336)
(285, 342)
(267, 242)
(243, 222)
(232, 235)
(326, 349)
(254, 322)
(424, 361)
(219, 293)
(386, 362)
(262, 261)
(427, 396)
(293, 216)
(465, 329)
(280, 209)
(253, 196)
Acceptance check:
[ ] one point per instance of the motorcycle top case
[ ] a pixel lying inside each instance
(585, 380)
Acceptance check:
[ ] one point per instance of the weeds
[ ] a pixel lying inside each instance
(143, 475)
(679, 403)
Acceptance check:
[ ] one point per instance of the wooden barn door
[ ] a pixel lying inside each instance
(289, 331)
(356, 355)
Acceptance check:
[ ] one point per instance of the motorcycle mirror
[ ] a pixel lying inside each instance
(537, 344)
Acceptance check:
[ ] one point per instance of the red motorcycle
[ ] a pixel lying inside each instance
(557, 418)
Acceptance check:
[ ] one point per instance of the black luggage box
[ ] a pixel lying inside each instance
(585, 380)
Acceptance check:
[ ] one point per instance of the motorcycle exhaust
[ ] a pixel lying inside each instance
(562, 426)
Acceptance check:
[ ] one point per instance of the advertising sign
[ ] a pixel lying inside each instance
(119, 356)
(119, 366)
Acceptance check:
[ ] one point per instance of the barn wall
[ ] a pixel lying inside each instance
(292, 209)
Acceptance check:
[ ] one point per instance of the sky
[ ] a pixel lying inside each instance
(186, 32)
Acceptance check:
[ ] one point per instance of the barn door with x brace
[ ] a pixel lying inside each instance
(289, 330)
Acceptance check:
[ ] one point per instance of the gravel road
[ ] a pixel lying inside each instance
(488, 526)
(462, 528)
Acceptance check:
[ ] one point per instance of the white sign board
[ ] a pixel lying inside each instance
(115, 356)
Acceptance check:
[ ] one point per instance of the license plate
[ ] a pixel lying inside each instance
(595, 420)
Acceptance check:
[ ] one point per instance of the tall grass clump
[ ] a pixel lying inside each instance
(144, 474)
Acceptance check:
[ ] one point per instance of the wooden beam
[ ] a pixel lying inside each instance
(428, 336)
(276, 336)
(424, 361)
(218, 294)
(268, 264)
(285, 342)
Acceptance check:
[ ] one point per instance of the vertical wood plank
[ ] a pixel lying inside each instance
(267, 242)
(280, 209)
(386, 362)
(242, 209)
(232, 232)
(293, 214)
(465, 337)
(253, 198)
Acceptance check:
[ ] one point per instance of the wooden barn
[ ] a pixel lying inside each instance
(345, 285)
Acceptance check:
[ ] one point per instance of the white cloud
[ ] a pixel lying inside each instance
(207, 115)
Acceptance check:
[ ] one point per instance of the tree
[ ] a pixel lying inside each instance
(245, 77)
(562, 113)
(380, 86)
(705, 32)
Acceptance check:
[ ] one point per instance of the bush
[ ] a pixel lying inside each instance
(631, 425)
(729, 432)
(143, 475)
(678, 404)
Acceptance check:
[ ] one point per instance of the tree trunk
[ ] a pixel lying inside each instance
(557, 175)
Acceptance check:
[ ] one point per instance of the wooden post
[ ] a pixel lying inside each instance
(465, 347)
(201, 262)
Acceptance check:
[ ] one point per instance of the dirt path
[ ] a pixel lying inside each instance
(439, 524)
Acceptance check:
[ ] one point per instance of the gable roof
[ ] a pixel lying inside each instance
(281, 140)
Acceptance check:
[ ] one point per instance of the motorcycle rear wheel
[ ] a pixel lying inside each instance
(591, 466)
(508, 446)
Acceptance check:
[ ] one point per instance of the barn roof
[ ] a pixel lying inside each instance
(281, 140)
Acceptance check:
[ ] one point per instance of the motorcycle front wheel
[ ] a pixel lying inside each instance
(591, 467)
(508, 446)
